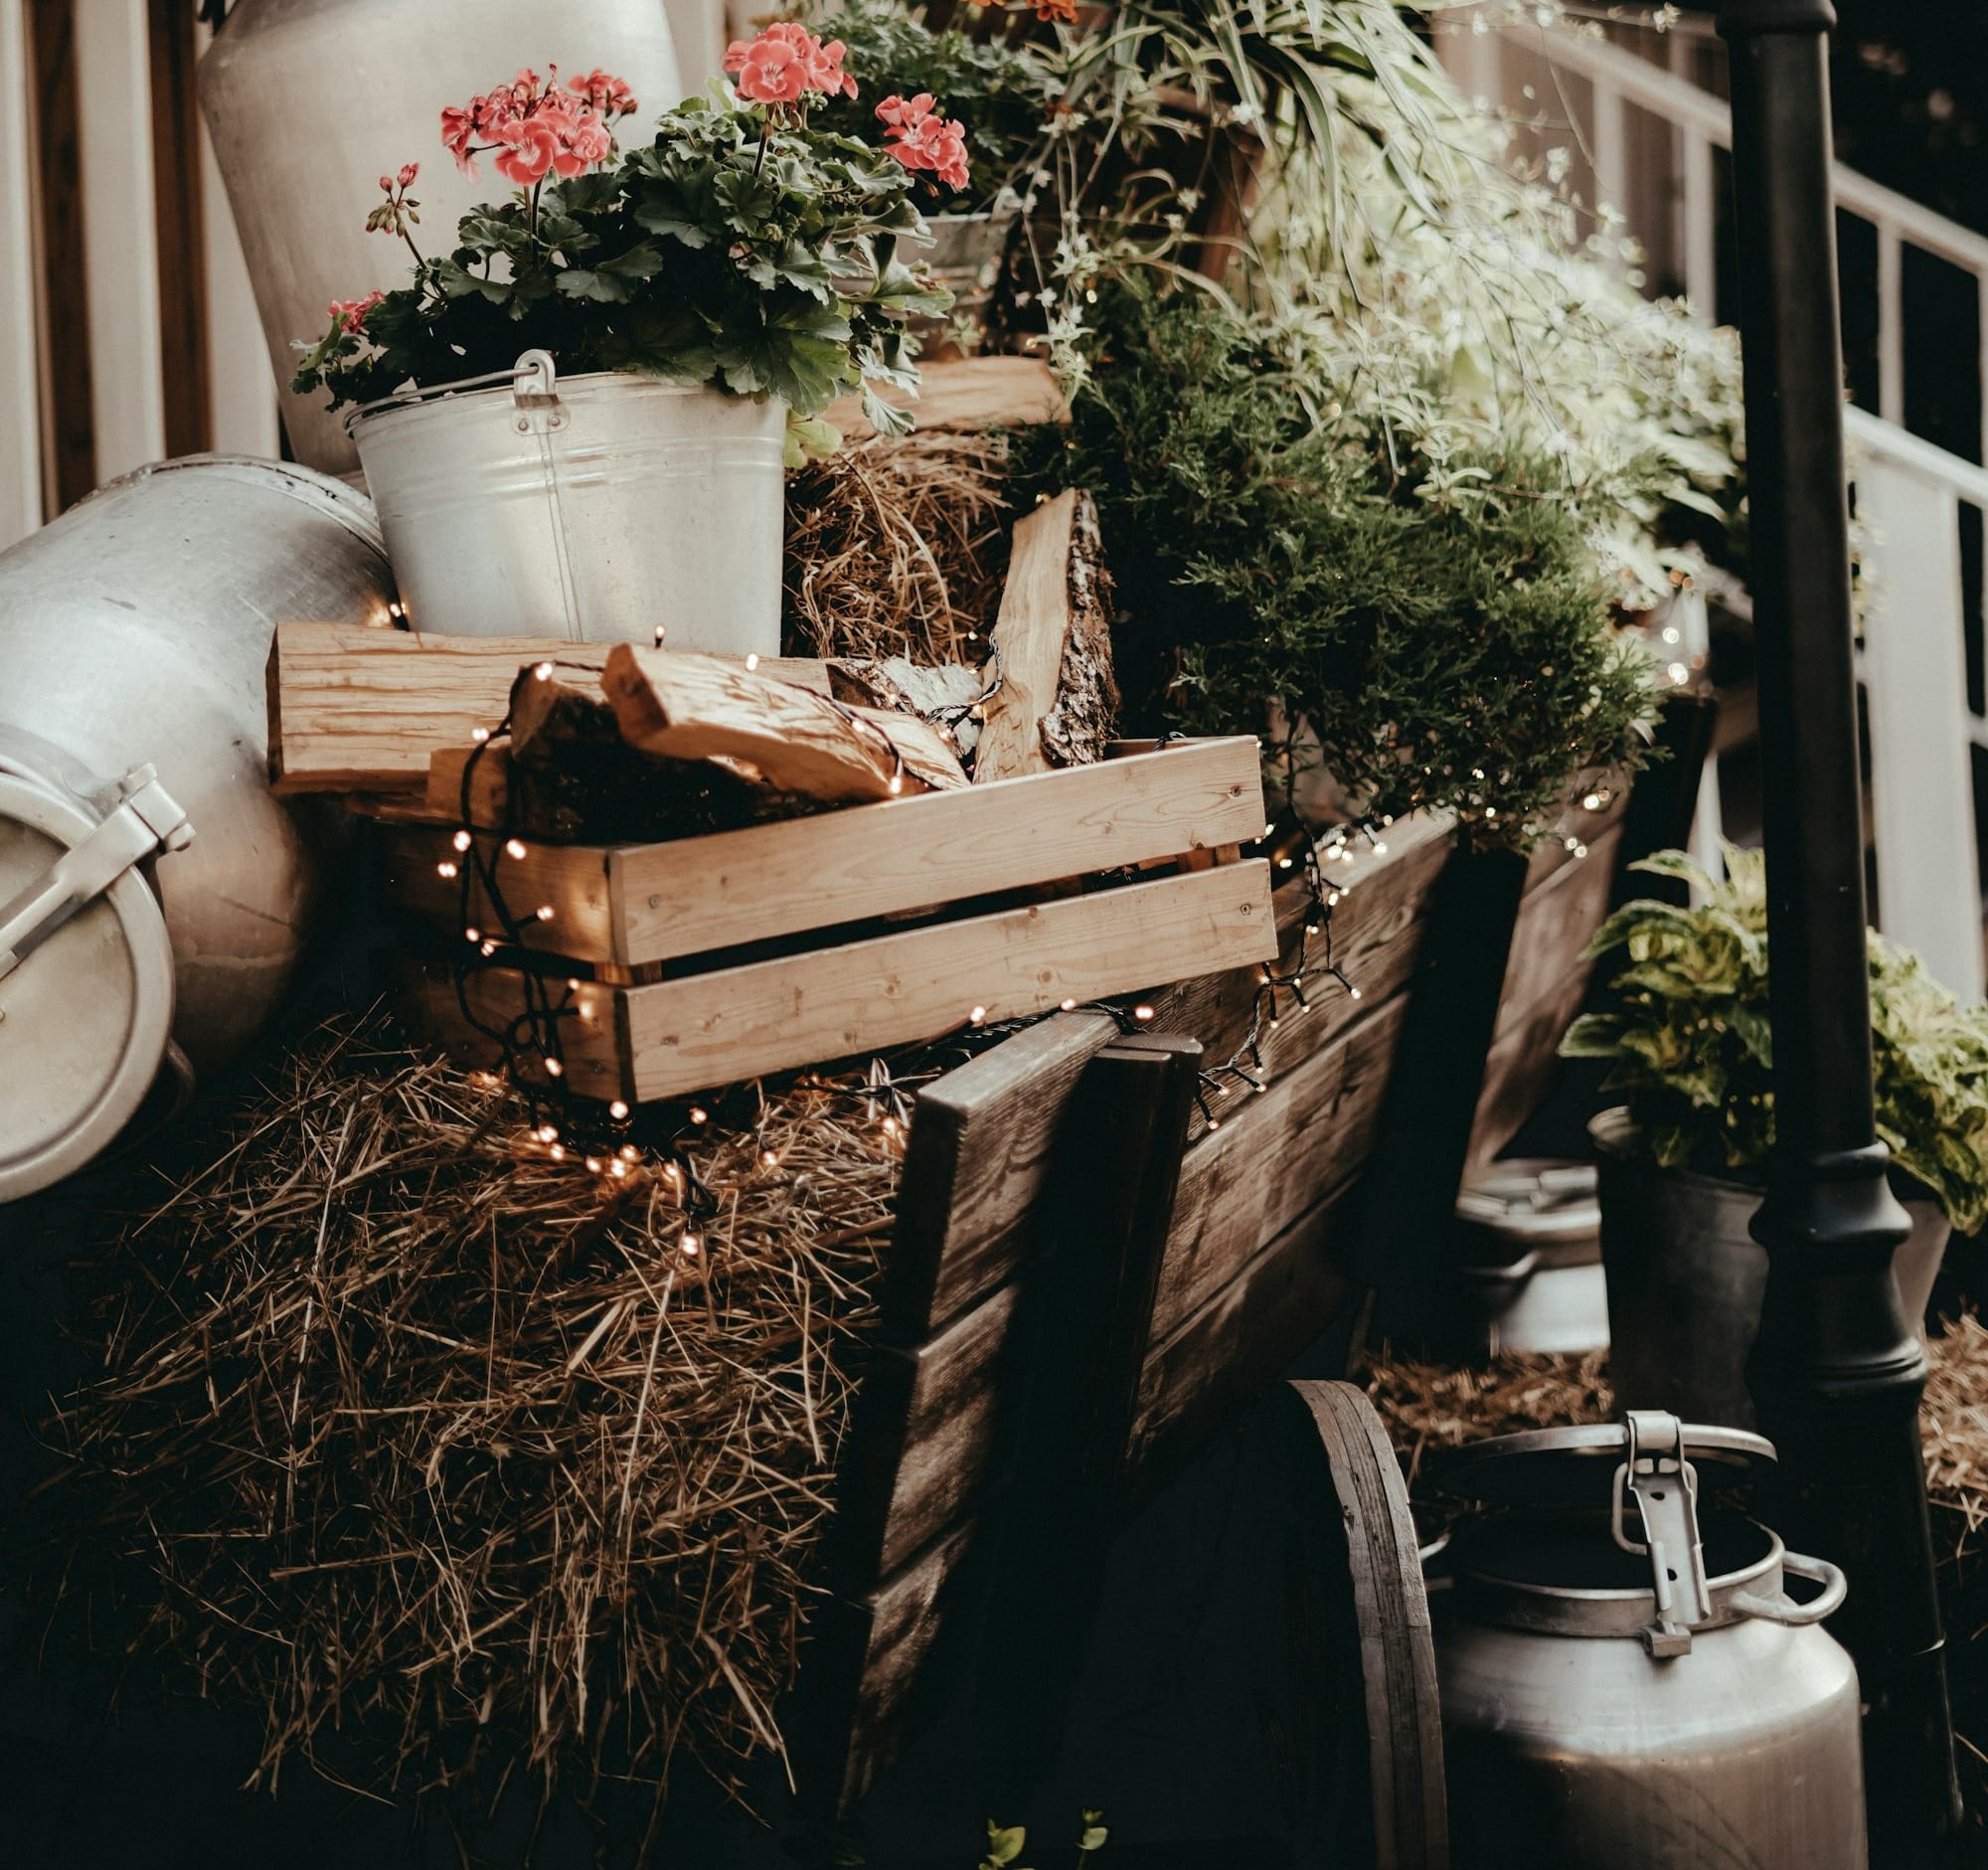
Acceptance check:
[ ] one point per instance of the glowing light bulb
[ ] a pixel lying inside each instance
(770, 1159)
(554, 1068)
(1069, 1006)
(752, 660)
(697, 1114)
(447, 870)
(544, 671)
(461, 840)
(1142, 1012)
(692, 1245)
(593, 1165)
(479, 735)
(514, 847)
(617, 1110)
(545, 911)
(556, 1152)
(979, 1014)
(472, 934)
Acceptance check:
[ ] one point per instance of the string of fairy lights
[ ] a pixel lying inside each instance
(604, 1138)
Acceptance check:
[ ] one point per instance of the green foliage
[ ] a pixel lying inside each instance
(1691, 1044)
(762, 260)
(1441, 629)
(999, 92)
(1005, 1843)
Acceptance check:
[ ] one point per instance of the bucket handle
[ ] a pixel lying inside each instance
(1784, 1610)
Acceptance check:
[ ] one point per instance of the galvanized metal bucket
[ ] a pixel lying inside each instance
(1686, 1279)
(154, 897)
(603, 508)
(310, 101)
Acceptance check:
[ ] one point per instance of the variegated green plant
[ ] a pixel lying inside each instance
(1693, 1049)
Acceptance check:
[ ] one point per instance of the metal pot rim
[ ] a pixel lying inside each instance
(477, 394)
(1602, 1613)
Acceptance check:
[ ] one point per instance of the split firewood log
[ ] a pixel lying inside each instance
(945, 694)
(684, 705)
(1058, 700)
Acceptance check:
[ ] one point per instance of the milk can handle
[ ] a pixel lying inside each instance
(1835, 1587)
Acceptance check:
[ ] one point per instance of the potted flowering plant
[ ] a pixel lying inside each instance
(973, 155)
(579, 415)
(1690, 1044)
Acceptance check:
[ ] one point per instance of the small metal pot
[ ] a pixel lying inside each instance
(154, 897)
(1627, 1686)
(310, 101)
(603, 508)
(1532, 1252)
(965, 257)
(1686, 1279)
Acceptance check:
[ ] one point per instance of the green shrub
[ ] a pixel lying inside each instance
(1691, 1044)
(1442, 629)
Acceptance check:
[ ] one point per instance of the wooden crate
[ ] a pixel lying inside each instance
(706, 960)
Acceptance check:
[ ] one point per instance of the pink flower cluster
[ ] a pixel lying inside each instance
(922, 139)
(352, 312)
(785, 63)
(536, 128)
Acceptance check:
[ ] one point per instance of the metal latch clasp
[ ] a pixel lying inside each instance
(1665, 1486)
(535, 395)
(145, 819)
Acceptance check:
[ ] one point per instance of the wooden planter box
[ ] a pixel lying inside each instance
(706, 960)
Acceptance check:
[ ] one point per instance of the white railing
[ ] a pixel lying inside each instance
(123, 331)
(1700, 123)
(1910, 495)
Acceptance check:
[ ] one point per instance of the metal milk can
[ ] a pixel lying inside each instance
(154, 896)
(310, 101)
(1532, 1252)
(1626, 1683)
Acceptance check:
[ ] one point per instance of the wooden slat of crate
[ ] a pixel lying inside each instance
(360, 710)
(633, 904)
(647, 1043)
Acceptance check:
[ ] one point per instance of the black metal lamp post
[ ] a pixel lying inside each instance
(1838, 1372)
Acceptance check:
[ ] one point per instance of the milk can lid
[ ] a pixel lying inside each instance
(85, 977)
(1567, 1468)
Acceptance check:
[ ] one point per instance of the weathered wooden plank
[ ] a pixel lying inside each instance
(1242, 1340)
(982, 1141)
(1377, 934)
(921, 1442)
(1595, 808)
(1556, 923)
(969, 393)
(1052, 640)
(633, 904)
(859, 1670)
(357, 709)
(1274, 1157)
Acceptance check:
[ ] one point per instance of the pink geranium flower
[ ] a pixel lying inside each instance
(352, 312)
(924, 140)
(537, 128)
(530, 146)
(785, 63)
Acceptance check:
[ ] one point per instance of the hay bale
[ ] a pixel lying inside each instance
(899, 547)
(408, 1427)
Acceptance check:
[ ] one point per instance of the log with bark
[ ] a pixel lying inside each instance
(1058, 699)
